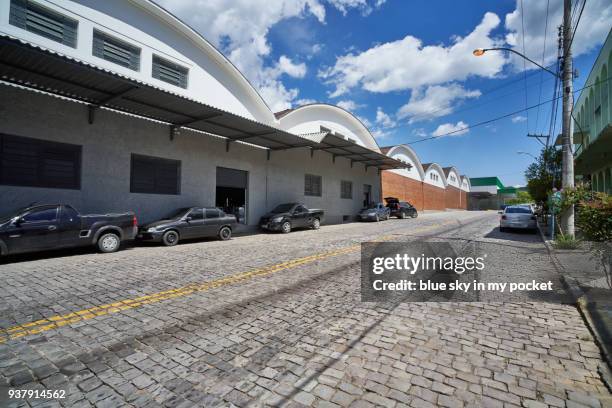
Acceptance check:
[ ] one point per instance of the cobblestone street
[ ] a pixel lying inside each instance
(277, 320)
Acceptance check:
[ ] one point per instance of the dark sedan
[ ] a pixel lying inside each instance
(375, 212)
(187, 223)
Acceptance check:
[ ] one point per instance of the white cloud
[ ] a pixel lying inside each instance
(286, 66)
(408, 64)
(349, 105)
(383, 119)
(305, 101)
(519, 118)
(366, 8)
(592, 31)
(419, 132)
(435, 101)
(449, 129)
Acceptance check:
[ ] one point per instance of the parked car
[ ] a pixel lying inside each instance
(186, 223)
(518, 217)
(286, 217)
(375, 212)
(57, 226)
(401, 209)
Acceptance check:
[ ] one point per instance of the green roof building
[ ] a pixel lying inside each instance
(592, 129)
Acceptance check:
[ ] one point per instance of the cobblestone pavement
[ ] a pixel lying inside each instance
(280, 327)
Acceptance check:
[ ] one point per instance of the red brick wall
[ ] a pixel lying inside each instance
(434, 197)
(404, 188)
(453, 197)
(464, 200)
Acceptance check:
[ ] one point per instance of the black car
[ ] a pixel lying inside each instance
(374, 212)
(186, 223)
(57, 226)
(401, 209)
(285, 217)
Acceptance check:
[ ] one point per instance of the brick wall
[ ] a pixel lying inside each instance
(452, 197)
(464, 200)
(404, 188)
(434, 197)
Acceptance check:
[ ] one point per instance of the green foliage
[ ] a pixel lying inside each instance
(566, 242)
(593, 211)
(522, 197)
(540, 174)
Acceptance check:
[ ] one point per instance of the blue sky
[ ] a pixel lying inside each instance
(406, 69)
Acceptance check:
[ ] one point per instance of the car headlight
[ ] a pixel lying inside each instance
(372, 214)
(277, 219)
(152, 229)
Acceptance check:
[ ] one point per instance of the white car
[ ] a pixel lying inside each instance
(518, 217)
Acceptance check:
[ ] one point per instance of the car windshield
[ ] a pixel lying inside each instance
(8, 216)
(518, 210)
(371, 206)
(177, 213)
(282, 208)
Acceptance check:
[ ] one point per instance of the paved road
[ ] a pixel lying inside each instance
(277, 320)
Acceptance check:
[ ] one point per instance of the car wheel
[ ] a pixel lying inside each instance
(415, 214)
(170, 238)
(316, 223)
(286, 227)
(109, 242)
(225, 233)
(377, 219)
(502, 229)
(387, 217)
(402, 215)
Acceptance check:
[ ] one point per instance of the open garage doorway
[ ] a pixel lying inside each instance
(231, 194)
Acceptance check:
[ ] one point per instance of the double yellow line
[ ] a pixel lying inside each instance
(58, 321)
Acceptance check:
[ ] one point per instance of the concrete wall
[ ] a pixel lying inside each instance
(110, 141)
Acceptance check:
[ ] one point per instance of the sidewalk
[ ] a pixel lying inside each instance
(587, 273)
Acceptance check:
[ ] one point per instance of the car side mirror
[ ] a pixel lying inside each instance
(188, 219)
(18, 221)
(500, 212)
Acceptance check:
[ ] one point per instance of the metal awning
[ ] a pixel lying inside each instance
(35, 67)
(340, 147)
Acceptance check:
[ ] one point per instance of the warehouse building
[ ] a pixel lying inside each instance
(427, 186)
(118, 105)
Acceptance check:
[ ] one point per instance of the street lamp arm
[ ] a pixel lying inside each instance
(478, 52)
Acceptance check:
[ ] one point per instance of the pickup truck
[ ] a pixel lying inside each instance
(57, 226)
(286, 217)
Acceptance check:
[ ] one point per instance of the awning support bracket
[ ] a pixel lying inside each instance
(268, 155)
(227, 145)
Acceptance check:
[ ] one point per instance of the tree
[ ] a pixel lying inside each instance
(522, 197)
(540, 174)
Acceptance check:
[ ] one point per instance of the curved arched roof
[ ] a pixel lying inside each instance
(447, 172)
(438, 168)
(466, 178)
(216, 55)
(305, 118)
(408, 151)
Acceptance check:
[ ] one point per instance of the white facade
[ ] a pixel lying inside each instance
(407, 155)
(212, 79)
(452, 177)
(434, 175)
(465, 184)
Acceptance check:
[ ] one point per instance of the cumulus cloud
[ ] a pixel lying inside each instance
(349, 105)
(592, 31)
(408, 64)
(365, 6)
(450, 129)
(435, 101)
(383, 119)
(519, 118)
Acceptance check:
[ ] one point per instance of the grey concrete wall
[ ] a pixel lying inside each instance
(109, 142)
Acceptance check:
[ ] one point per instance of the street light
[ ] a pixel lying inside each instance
(479, 52)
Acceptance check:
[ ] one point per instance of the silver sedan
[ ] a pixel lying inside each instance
(518, 217)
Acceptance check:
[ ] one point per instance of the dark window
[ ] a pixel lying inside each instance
(346, 189)
(154, 175)
(39, 163)
(42, 21)
(169, 72)
(300, 209)
(70, 213)
(116, 51)
(312, 185)
(48, 214)
(518, 210)
(197, 214)
(212, 213)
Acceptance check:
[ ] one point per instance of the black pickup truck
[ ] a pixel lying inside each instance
(57, 226)
(286, 217)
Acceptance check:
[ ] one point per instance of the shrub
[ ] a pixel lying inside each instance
(566, 242)
(594, 217)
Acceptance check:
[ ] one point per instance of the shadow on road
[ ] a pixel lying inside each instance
(515, 235)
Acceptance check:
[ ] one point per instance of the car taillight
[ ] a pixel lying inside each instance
(134, 221)
(503, 217)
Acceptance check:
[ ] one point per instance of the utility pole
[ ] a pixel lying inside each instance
(567, 217)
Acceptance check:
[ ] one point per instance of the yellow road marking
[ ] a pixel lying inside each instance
(57, 321)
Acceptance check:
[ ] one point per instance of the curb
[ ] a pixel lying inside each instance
(572, 286)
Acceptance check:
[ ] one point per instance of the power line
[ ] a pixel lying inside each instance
(524, 62)
(542, 72)
(503, 116)
(577, 22)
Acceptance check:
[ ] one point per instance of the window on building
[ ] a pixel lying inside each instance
(313, 185)
(346, 189)
(32, 17)
(116, 51)
(169, 72)
(154, 175)
(39, 163)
